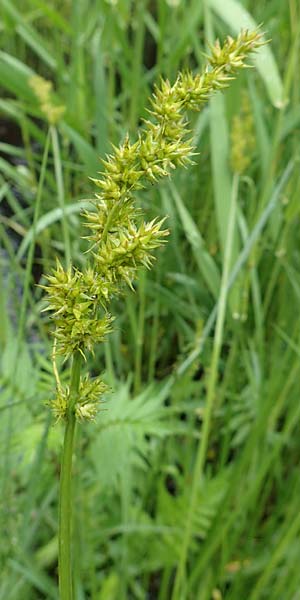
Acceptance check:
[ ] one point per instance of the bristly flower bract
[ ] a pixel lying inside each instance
(79, 301)
(87, 405)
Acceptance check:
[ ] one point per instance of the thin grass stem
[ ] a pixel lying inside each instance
(211, 390)
(61, 193)
(140, 335)
(30, 255)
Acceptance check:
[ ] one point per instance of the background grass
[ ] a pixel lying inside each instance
(135, 467)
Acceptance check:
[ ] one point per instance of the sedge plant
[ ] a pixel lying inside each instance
(121, 241)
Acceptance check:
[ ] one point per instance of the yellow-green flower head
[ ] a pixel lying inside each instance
(163, 144)
(77, 300)
(120, 241)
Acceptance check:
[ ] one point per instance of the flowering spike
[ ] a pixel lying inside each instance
(120, 242)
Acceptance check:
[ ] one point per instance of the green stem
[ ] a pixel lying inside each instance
(211, 390)
(140, 335)
(30, 256)
(137, 63)
(61, 193)
(65, 492)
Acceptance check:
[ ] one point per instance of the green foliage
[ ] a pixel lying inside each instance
(135, 462)
(122, 433)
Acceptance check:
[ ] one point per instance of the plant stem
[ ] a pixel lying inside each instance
(137, 62)
(61, 193)
(211, 389)
(140, 335)
(65, 492)
(30, 256)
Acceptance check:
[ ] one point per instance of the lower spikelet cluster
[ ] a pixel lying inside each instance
(87, 405)
(120, 241)
(78, 301)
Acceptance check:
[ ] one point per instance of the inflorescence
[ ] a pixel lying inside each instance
(120, 241)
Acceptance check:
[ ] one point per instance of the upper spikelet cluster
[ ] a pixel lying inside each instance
(120, 241)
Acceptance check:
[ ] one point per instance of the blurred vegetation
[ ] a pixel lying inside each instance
(134, 468)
